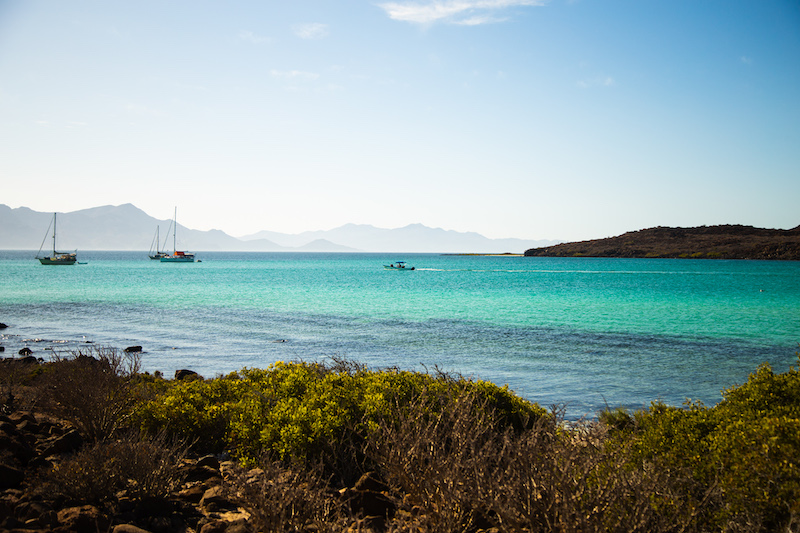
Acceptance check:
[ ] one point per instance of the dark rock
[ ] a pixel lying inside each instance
(370, 481)
(9, 428)
(37, 514)
(240, 526)
(10, 523)
(68, 442)
(371, 503)
(20, 417)
(3, 326)
(210, 461)
(2, 348)
(193, 494)
(128, 528)
(153, 507)
(200, 473)
(215, 496)
(10, 477)
(28, 426)
(215, 526)
(85, 519)
(25, 351)
(369, 497)
(133, 349)
(182, 374)
(20, 450)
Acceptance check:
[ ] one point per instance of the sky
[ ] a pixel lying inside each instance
(534, 119)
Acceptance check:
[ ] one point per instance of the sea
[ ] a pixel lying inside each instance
(577, 334)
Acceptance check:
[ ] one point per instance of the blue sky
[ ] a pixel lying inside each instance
(534, 119)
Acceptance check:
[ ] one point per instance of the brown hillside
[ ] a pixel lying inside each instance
(705, 242)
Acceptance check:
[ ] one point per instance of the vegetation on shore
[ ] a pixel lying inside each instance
(306, 446)
(705, 242)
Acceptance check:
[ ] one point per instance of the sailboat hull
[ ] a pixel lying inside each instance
(61, 259)
(185, 258)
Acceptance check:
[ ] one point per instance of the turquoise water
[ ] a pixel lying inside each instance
(582, 332)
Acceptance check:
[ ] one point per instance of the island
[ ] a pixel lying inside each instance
(704, 242)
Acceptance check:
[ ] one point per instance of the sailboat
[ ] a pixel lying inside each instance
(155, 250)
(177, 257)
(56, 258)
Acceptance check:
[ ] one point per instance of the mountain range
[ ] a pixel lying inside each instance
(126, 227)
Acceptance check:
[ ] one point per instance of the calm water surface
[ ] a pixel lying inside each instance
(582, 332)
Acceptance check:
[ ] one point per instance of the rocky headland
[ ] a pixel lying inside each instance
(704, 242)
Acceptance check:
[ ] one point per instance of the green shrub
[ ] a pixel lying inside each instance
(745, 450)
(302, 410)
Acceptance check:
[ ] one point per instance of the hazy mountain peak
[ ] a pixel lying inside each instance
(126, 227)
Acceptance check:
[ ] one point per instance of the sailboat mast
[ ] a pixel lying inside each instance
(54, 233)
(174, 229)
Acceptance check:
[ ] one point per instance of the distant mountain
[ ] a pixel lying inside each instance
(126, 227)
(705, 242)
(412, 238)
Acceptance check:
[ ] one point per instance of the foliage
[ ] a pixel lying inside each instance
(747, 447)
(143, 467)
(95, 389)
(301, 410)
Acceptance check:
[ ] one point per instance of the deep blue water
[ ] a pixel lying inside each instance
(583, 332)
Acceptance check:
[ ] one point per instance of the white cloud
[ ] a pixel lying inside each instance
(249, 36)
(311, 31)
(746, 60)
(464, 12)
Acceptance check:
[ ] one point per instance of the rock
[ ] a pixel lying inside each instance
(128, 528)
(215, 496)
(3, 326)
(28, 426)
(240, 526)
(68, 442)
(370, 481)
(25, 351)
(200, 473)
(20, 450)
(210, 461)
(215, 526)
(193, 494)
(182, 374)
(133, 349)
(2, 348)
(369, 497)
(36, 515)
(85, 519)
(10, 477)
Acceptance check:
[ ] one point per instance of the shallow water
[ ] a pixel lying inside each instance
(583, 332)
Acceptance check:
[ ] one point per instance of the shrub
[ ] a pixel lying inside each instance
(144, 467)
(282, 498)
(308, 410)
(94, 389)
(742, 453)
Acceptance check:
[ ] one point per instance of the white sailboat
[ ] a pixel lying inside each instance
(177, 257)
(55, 258)
(155, 249)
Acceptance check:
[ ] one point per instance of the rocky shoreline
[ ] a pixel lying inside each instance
(205, 497)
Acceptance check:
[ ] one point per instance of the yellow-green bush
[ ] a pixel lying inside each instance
(301, 410)
(744, 453)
